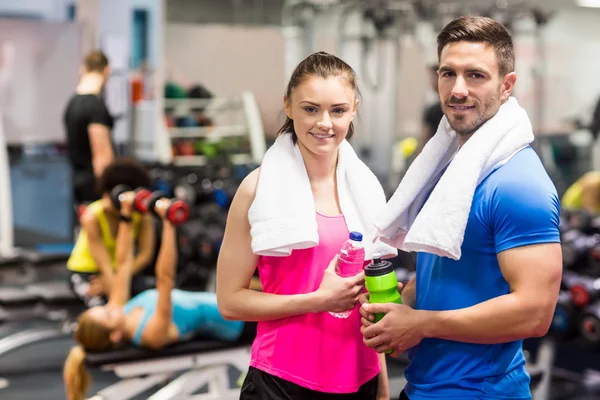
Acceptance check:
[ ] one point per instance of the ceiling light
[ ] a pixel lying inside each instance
(588, 3)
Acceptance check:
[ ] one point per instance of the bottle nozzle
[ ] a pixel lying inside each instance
(376, 258)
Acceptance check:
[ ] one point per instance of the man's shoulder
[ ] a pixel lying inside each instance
(523, 171)
(522, 182)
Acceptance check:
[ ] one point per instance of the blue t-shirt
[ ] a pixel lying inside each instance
(193, 313)
(514, 206)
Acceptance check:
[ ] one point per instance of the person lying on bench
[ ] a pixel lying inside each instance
(93, 260)
(153, 319)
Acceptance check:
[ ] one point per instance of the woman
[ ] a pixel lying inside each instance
(584, 194)
(301, 351)
(153, 319)
(92, 262)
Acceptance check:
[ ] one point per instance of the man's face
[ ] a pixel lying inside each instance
(470, 85)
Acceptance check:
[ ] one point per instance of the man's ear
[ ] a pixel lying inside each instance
(509, 84)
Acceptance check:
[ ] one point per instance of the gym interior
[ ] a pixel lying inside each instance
(196, 92)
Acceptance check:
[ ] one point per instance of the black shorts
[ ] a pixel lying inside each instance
(403, 396)
(259, 385)
(79, 283)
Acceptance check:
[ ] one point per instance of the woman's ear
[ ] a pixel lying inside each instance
(287, 107)
(355, 108)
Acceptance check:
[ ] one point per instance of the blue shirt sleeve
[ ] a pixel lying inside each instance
(524, 213)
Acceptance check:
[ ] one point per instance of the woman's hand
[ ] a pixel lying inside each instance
(339, 294)
(127, 200)
(161, 207)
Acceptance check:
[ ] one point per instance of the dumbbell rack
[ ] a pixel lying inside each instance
(247, 124)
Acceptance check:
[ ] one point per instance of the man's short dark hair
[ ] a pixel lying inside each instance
(123, 171)
(95, 61)
(481, 29)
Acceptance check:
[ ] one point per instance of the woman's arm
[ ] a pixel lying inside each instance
(145, 244)
(121, 289)
(157, 330)
(383, 387)
(99, 253)
(237, 264)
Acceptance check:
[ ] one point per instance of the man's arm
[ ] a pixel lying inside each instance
(409, 292)
(100, 144)
(534, 274)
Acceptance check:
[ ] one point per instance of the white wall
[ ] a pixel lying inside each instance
(229, 60)
(45, 9)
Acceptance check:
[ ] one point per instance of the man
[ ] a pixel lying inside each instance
(89, 124)
(464, 320)
(433, 114)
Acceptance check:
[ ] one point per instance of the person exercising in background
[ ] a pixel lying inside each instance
(89, 124)
(153, 319)
(93, 261)
(433, 113)
(584, 194)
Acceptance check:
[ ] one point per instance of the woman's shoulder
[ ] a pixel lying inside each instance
(247, 189)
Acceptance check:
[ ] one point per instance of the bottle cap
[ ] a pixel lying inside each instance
(378, 267)
(356, 236)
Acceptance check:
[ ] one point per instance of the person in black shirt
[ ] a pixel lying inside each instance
(433, 114)
(89, 124)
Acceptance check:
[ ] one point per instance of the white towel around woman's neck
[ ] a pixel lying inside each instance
(283, 215)
(430, 208)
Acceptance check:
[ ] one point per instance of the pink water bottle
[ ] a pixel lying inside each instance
(351, 262)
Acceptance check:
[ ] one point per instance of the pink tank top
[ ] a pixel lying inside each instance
(316, 351)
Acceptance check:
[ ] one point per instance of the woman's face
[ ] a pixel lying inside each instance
(322, 110)
(109, 316)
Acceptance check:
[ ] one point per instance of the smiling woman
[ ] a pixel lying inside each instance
(300, 287)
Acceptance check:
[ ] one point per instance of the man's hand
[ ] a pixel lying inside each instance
(367, 317)
(399, 329)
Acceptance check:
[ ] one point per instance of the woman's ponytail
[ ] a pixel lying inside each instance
(77, 378)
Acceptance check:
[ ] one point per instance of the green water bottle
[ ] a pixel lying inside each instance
(381, 283)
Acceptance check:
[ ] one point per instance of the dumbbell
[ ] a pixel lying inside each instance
(589, 324)
(212, 214)
(178, 211)
(140, 203)
(209, 244)
(188, 238)
(224, 192)
(585, 291)
(575, 246)
(185, 190)
(564, 321)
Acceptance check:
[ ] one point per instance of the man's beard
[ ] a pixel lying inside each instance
(490, 108)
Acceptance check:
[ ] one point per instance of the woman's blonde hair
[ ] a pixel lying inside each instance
(90, 335)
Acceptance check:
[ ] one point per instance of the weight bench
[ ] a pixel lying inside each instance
(203, 362)
(17, 304)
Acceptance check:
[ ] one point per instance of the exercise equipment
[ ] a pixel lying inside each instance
(589, 325)
(203, 362)
(140, 203)
(576, 248)
(566, 315)
(177, 213)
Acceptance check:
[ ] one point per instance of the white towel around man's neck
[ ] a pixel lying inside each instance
(419, 219)
(283, 215)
